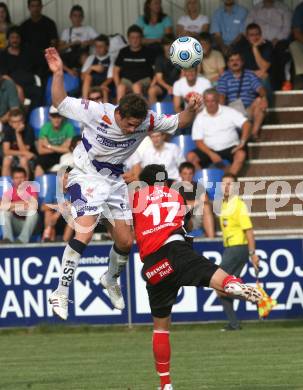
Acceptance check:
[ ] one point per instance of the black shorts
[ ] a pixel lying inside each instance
(46, 161)
(205, 161)
(174, 265)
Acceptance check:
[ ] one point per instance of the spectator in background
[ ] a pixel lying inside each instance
(257, 54)
(193, 23)
(67, 159)
(8, 98)
(195, 196)
(38, 32)
(161, 152)
(296, 47)
(54, 140)
(165, 73)
(16, 63)
(76, 40)
(18, 143)
(5, 24)
(98, 69)
(228, 24)
(275, 19)
(95, 94)
(55, 214)
(213, 64)
(189, 83)
(20, 205)
(155, 24)
(133, 68)
(242, 90)
(216, 135)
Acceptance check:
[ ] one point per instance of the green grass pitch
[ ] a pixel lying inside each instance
(266, 355)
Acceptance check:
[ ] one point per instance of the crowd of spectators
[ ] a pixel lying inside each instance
(247, 54)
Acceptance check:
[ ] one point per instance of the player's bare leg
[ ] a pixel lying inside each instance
(161, 350)
(228, 285)
(122, 235)
(84, 229)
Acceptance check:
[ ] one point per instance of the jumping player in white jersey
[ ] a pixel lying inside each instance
(111, 134)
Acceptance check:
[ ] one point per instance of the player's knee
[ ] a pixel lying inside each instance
(124, 244)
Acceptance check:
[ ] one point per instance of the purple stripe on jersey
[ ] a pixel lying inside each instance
(86, 144)
(116, 169)
(78, 200)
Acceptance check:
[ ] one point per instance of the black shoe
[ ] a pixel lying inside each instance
(229, 327)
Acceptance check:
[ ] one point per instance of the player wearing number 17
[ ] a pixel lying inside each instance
(96, 187)
(170, 262)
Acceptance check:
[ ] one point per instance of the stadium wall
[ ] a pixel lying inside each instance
(111, 16)
(29, 274)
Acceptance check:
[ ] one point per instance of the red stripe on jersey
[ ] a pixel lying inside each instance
(157, 213)
(151, 123)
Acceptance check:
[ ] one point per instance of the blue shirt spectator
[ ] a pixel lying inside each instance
(229, 86)
(154, 31)
(228, 23)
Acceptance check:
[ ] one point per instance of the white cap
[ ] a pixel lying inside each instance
(53, 110)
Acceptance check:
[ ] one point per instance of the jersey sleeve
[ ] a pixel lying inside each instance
(82, 110)
(164, 123)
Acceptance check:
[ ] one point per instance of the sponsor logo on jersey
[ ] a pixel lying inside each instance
(157, 194)
(103, 127)
(106, 119)
(159, 271)
(115, 144)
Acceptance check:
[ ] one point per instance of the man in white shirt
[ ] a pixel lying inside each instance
(96, 187)
(164, 153)
(215, 133)
(189, 83)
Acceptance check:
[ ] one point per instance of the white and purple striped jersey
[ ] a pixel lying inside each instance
(103, 140)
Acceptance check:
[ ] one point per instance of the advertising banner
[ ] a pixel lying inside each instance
(29, 274)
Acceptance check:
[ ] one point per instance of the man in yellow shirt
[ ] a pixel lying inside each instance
(238, 240)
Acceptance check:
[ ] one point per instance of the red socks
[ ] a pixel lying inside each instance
(231, 279)
(161, 349)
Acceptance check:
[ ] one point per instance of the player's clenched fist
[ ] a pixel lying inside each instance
(53, 59)
(195, 101)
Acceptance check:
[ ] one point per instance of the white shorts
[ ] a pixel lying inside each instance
(96, 193)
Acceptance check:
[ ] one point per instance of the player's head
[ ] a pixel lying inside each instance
(131, 112)
(154, 174)
(227, 186)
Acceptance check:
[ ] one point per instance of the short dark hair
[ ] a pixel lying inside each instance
(13, 30)
(102, 38)
(31, 1)
(168, 39)
(205, 36)
(19, 170)
(253, 26)
(230, 175)
(186, 165)
(15, 112)
(153, 173)
(77, 8)
(134, 29)
(233, 52)
(133, 105)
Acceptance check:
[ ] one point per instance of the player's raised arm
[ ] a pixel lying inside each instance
(56, 66)
(187, 116)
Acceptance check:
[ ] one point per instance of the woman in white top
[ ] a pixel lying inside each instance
(193, 23)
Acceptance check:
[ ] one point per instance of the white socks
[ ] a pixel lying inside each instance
(117, 262)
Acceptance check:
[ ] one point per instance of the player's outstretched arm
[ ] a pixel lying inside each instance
(56, 66)
(187, 116)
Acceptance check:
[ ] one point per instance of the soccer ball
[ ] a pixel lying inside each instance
(186, 52)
